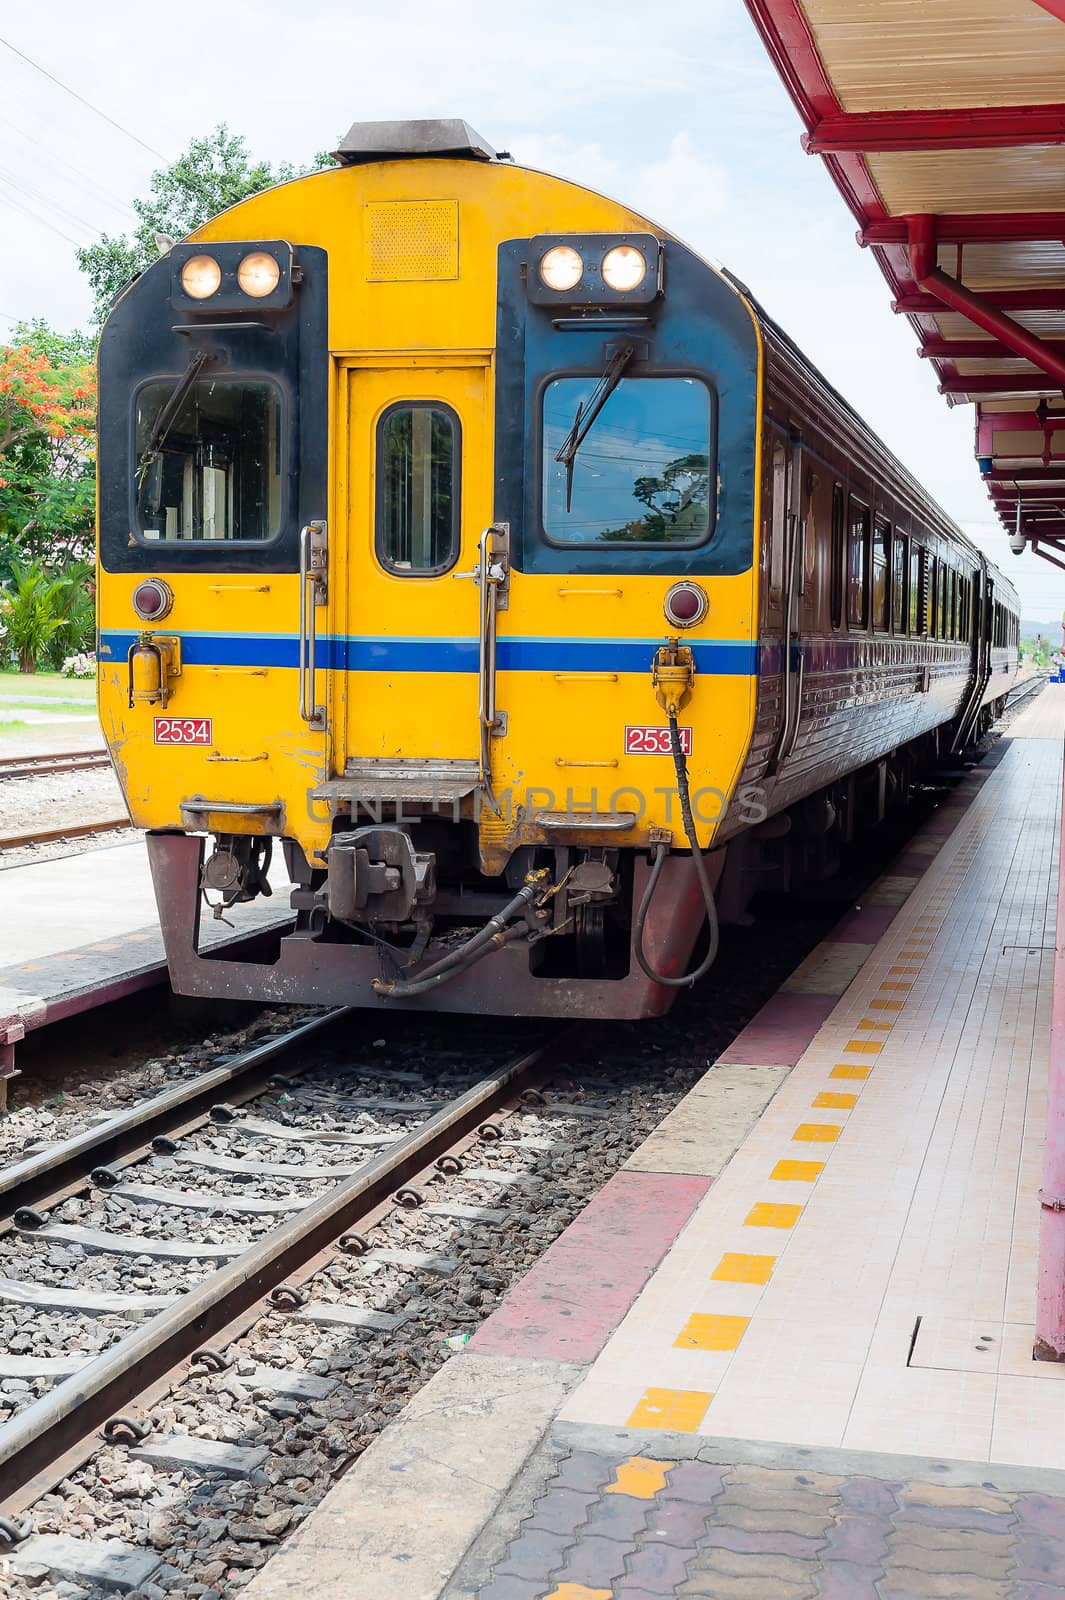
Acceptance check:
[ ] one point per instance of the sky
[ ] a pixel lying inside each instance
(685, 120)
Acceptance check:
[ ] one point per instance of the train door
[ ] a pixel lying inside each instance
(981, 611)
(788, 557)
(413, 496)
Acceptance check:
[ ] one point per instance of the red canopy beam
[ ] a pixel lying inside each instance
(1006, 386)
(976, 349)
(914, 303)
(971, 128)
(930, 278)
(1026, 475)
(974, 228)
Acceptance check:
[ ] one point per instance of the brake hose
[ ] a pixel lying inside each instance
(661, 852)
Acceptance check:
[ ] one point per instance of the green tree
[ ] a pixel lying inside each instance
(213, 174)
(47, 445)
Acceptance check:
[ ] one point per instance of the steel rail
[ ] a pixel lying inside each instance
(78, 830)
(34, 766)
(65, 1166)
(41, 1433)
(1022, 690)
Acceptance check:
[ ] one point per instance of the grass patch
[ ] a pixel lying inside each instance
(8, 727)
(46, 691)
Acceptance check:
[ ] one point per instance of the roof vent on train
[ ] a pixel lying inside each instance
(407, 141)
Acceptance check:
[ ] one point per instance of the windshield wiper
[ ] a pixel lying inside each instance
(168, 415)
(586, 414)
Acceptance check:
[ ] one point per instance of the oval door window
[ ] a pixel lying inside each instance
(417, 521)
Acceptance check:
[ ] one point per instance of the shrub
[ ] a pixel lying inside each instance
(82, 665)
(30, 612)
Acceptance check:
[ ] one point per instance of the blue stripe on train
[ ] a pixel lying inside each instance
(364, 654)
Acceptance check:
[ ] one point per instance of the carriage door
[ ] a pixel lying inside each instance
(788, 567)
(417, 496)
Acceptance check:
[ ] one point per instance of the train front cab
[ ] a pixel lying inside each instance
(301, 497)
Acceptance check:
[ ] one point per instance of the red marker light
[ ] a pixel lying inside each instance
(686, 604)
(152, 600)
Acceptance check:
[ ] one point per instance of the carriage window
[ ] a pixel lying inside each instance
(835, 576)
(881, 547)
(417, 489)
(944, 620)
(858, 565)
(898, 583)
(211, 467)
(932, 570)
(639, 473)
(917, 614)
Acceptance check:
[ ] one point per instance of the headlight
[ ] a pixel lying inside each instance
(259, 274)
(200, 277)
(624, 267)
(562, 267)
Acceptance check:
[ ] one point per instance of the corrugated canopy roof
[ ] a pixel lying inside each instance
(943, 125)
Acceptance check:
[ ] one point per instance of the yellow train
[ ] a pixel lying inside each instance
(469, 534)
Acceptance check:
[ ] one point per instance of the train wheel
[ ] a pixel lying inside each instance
(589, 928)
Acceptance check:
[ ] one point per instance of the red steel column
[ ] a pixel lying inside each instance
(1050, 1308)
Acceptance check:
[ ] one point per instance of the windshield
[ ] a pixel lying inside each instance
(211, 469)
(642, 473)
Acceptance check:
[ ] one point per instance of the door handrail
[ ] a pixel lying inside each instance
(313, 593)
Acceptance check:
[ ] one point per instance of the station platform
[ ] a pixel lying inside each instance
(82, 930)
(786, 1353)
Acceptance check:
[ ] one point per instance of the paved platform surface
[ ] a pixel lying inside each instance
(85, 926)
(786, 1353)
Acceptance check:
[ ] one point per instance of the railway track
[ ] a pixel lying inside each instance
(76, 830)
(46, 765)
(168, 1165)
(1023, 690)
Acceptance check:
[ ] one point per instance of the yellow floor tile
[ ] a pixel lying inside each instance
(708, 1331)
(844, 1069)
(639, 1476)
(578, 1591)
(816, 1132)
(834, 1102)
(736, 1268)
(672, 1410)
(772, 1214)
(798, 1171)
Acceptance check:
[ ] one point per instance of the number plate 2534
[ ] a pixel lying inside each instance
(648, 741)
(183, 730)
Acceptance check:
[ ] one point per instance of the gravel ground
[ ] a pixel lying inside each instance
(55, 800)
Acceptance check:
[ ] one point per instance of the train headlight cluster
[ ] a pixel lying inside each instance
(594, 270)
(232, 277)
(258, 274)
(201, 276)
(561, 268)
(624, 268)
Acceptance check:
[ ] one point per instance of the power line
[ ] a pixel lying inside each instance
(8, 177)
(67, 169)
(17, 205)
(152, 151)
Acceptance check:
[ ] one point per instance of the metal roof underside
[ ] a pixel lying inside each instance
(942, 123)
